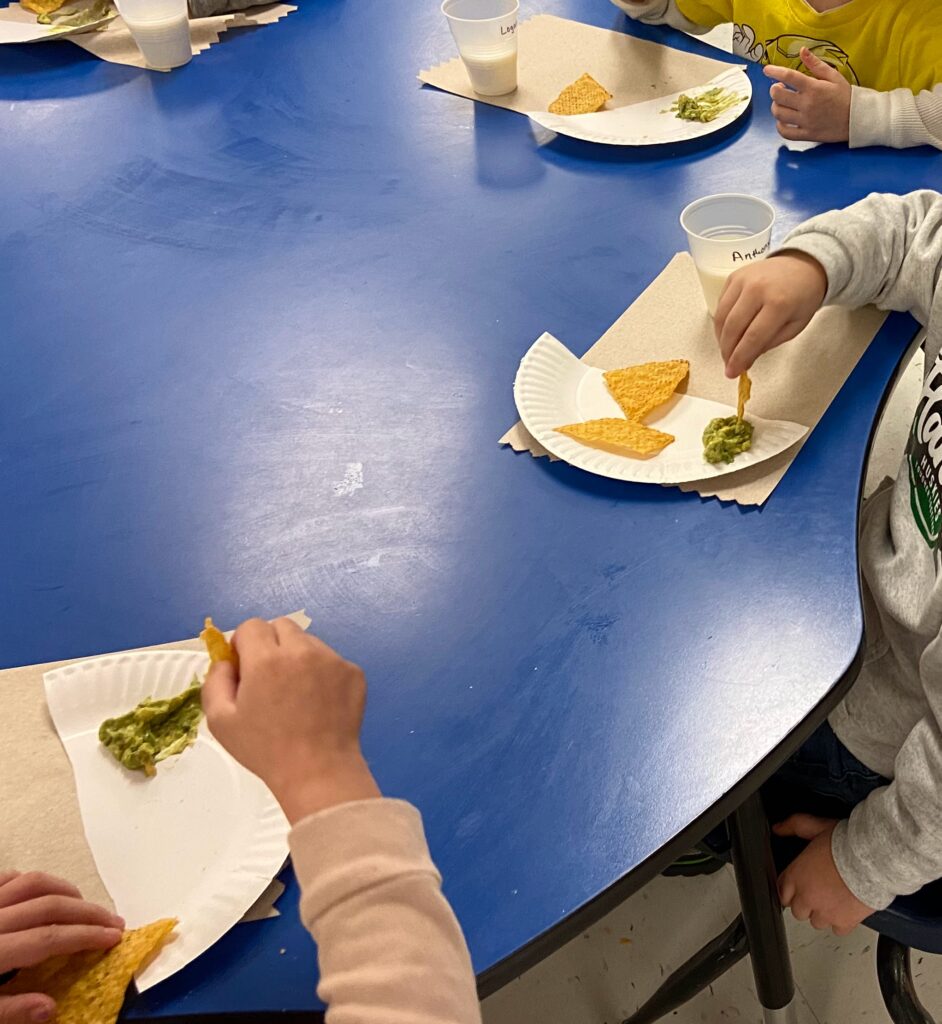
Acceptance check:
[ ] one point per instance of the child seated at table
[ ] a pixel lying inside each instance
(877, 763)
(864, 72)
(389, 945)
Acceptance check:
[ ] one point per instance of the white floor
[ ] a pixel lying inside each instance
(605, 974)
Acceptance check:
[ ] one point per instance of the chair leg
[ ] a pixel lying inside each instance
(701, 970)
(896, 983)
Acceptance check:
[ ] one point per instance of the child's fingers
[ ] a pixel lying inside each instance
(793, 133)
(728, 296)
(786, 889)
(800, 910)
(219, 692)
(819, 68)
(787, 116)
(740, 316)
(793, 79)
(784, 96)
(761, 335)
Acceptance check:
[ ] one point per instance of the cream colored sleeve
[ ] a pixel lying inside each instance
(389, 946)
(898, 118)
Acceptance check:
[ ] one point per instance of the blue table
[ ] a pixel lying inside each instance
(232, 290)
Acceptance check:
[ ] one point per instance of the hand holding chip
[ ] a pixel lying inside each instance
(41, 917)
(766, 304)
(291, 713)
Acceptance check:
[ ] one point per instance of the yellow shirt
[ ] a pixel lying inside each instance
(879, 44)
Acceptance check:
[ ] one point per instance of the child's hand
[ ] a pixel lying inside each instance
(766, 304)
(40, 917)
(811, 885)
(813, 109)
(292, 716)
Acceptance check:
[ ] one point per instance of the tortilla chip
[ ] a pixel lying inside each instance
(89, 988)
(41, 6)
(217, 646)
(745, 390)
(583, 96)
(623, 437)
(639, 389)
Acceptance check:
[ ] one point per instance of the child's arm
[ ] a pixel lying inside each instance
(666, 12)
(822, 106)
(898, 118)
(389, 946)
(886, 249)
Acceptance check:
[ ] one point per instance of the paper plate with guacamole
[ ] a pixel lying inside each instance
(177, 828)
(637, 422)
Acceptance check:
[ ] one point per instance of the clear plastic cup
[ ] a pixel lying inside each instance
(486, 34)
(161, 28)
(724, 233)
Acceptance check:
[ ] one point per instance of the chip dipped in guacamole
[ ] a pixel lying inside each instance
(726, 437)
(154, 730)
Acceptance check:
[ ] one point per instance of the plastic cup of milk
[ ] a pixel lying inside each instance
(726, 232)
(161, 28)
(486, 34)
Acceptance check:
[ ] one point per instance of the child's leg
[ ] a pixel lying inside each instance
(822, 777)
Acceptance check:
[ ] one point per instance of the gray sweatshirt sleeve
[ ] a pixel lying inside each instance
(888, 250)
(659, 12)
(898, 118)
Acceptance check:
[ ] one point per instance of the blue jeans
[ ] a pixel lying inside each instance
(822, 777)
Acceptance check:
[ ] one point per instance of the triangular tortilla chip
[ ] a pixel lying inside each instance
(620, 436)
(639, 389)
(89, 988)
(583, 96)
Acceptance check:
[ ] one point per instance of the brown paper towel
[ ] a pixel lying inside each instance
(796, 382)
(115, 43)
(555, 51)
(42, 827)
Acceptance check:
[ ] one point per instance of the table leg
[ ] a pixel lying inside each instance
(761, 911)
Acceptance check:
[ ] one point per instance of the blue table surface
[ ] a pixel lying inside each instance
(228, 290)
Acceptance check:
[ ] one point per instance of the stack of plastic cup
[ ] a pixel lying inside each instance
(161, 28)
(726, 232)
(486, 34)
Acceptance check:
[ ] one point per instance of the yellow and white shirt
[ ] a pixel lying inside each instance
(890, 52)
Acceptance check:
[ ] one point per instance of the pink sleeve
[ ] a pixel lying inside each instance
(389, 945)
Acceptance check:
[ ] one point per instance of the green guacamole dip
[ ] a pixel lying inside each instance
(706, 107)
(154, 730)
(725, 438)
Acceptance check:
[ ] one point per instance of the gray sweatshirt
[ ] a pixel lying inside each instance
(888, 250)
(897, 118)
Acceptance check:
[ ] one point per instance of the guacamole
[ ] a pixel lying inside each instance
(706, 107)
(154, 730)
(725, 438)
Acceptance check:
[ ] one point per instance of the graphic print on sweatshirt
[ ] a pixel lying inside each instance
(924, 459)
(785, 51)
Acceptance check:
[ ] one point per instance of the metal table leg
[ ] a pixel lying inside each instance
(762, 912)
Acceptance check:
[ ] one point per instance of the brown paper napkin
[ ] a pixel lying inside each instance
(795, 382)
(42, 826)
(115, 43)
(555, 51)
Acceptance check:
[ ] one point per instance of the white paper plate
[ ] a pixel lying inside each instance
(18, 25)
(200, 841)
(554, 388)
(649, 123)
